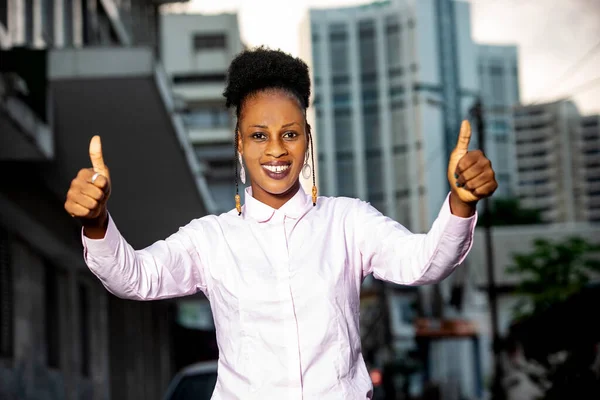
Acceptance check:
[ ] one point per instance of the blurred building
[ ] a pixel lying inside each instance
(550, 161)
(498, 70)
(69, 70)
(76, 23)
(196, 52)
(590, 149)
(392, 82)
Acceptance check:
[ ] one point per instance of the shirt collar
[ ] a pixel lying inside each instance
(293, 208)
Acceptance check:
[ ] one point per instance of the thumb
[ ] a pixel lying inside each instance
(96, 156)
(464, 137)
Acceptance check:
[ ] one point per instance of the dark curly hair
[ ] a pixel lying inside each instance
(262, 68)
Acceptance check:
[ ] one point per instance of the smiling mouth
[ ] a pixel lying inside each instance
(277, 169)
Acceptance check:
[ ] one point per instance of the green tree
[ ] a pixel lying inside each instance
(508, 211)
(552, 272)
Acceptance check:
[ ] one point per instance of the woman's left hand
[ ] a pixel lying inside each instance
(470, 173)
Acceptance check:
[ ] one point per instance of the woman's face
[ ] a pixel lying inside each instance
(273, 143)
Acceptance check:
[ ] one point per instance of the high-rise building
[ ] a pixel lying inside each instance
(392, 81)
(196, 51)
(498, 71)
(551, 177)
(590, 151)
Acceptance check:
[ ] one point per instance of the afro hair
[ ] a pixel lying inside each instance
(262, 68)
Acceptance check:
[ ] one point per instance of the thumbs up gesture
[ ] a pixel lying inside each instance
(89, 191)
(470, 173)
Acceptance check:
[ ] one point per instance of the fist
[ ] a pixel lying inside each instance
(470, 173)
(90, 190)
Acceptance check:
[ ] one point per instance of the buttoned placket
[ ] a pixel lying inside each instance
(291, 328)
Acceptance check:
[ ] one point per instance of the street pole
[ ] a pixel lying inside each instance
(477, 112)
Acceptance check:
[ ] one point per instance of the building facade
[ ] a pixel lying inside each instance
(392, 82)
(69, 71)
(590, 151)
(76, 23)
(550, 162)
(196, 51)
(498, 71)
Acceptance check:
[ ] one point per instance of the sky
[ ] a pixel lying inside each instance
(555, 38)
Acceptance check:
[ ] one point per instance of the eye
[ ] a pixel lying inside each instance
(258, 136)
(290, 135)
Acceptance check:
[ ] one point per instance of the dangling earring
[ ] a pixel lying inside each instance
(306, 169)
(312, 155)
(238, 203)
(242, 169)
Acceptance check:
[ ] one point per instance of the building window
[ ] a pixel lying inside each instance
(52, 311)
(342, 125)
(6, 297)
(207, 118)
(345, 175)
(317, 67)
(341, 99)
(68, 22)
(497, 82)
(209, 41)
(375, 174)
(371, 127)
(48, 22)
(396, 72)
(341, 80)
(84, 329)
(199, 78)
(29, 20)
(338, 36)
(367, 47)
(4, 14)
(396, 91)
(393, 43)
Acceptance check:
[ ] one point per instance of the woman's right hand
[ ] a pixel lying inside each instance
(89, 192)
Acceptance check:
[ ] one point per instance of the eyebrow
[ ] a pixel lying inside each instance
(266, 127)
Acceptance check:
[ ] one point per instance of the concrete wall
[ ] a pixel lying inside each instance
(27, 375)
(129, 342)
(177, 42)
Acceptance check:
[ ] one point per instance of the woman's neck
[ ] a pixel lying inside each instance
(275, 200)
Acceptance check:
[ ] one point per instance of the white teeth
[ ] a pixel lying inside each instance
(276, 168)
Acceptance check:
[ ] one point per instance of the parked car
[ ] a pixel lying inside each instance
(195, 382)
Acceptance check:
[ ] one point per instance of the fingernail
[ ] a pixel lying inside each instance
(455, 175)
(458, 184)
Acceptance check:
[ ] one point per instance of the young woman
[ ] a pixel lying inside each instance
(282, 273)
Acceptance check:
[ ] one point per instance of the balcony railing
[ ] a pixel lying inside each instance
(533, 121)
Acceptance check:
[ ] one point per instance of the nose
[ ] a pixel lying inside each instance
(276, 148)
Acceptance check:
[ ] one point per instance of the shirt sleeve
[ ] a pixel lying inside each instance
(392, 253)
(168, 268)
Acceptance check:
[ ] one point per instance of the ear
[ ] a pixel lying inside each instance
(239, 144)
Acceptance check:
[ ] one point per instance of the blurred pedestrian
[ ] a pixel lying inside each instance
(283, 271)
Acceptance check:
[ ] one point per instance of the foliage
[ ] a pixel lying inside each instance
(508, 211)
(552, 272)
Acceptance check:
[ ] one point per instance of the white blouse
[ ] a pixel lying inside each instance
(284, 286)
